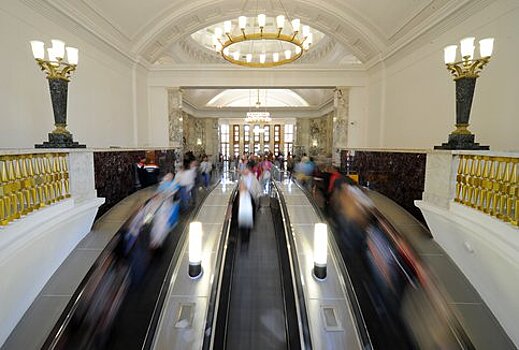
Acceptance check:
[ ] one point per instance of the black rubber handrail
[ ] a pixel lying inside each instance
(213, 308)
(297, 285)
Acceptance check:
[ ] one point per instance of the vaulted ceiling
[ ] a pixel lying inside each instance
(160, 31)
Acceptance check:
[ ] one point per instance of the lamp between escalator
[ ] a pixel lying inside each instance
(195, 249)
(320, 250)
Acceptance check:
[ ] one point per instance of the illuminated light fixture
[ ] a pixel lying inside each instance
(465, 72)
(236, 55)
(58, 71)
(262, 30)
(195, 249)
(275, 57)
(258, 117)
(320, 250)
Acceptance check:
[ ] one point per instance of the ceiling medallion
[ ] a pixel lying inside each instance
(289, 45)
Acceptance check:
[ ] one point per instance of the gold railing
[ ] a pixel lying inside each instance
(489, 184)
(31, 181)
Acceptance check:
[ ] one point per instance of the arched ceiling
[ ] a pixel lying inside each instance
(159, 31)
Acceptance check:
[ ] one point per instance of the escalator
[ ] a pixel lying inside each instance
(115, 303)
(257, 308)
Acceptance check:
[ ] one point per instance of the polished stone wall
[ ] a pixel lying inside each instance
(115, 174)
(398, 175)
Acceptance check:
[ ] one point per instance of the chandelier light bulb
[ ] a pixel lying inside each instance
(449, 53)
(486, 47)
(288, 54)
(262, 20)
(296, 24)
(306, 31)
(280, 21)
(236, 55)
(275, 57)
(38, 49)
(218, 32)
(58, 47)
(262, 58)
(242, 22)
(249, 58)
(298, 50)
(72, 55)
(218, 47)
(310, 39)
(215, 40)
(51, 55)
(226, 51)
(227, 27)
(467, 47)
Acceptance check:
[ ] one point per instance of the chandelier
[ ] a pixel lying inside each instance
(244, 42)
(258, 116)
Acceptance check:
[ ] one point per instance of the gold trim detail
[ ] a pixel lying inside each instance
(467, 68)
(31, 181)
(57, 70)
(292, 39)
(490, 185)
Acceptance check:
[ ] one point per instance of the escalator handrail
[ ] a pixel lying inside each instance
(154, 322)
(346, 283)
(214, 298)
(66, 315)
(302, 317)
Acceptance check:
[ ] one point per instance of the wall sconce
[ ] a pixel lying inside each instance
(465, 73)
(320, 250)
(314, 143)
(58, 74)
(195, 249)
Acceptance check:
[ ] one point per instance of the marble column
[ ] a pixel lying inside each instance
(340, 123)
(175, 113)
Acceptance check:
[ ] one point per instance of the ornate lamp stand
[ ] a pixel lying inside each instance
(465, 73)
(58, 74)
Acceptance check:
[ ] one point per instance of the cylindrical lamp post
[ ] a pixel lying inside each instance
(195, 249)
(465, 73)
(320, 250)
(58, 74)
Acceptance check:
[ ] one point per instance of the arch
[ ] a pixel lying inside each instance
(353, 32)
(267, 97)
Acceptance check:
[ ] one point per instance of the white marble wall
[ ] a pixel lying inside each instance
(81, 174)
(175, 114)
(340, 123)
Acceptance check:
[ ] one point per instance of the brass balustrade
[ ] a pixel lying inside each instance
(489, 184)
(31, 181)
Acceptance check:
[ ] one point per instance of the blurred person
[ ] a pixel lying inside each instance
(250, 192)
(266, 173)
(205, 170)
(186, 178)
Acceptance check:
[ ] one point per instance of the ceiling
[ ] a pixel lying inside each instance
(210, 99)
(160, 31)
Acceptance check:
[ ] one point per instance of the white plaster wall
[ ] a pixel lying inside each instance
(100, 110)
(418, 109)
(486, 250)
(158, 117)
(140, 105)
(357, 122)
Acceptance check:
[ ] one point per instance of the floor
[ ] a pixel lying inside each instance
(34, 327)
(477, 319)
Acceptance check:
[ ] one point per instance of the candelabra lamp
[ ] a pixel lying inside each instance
(465, 73)
(58, 74)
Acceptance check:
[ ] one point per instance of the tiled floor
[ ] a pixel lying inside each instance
(477, 319)
(32, 330)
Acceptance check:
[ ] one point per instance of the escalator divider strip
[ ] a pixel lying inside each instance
(346, 282)
(157, 311)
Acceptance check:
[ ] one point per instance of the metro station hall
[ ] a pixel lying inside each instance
(259, 175)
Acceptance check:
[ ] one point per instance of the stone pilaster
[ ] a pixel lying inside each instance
(340, 123)
(176, 125)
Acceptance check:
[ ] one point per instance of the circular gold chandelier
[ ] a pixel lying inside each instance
(291, 44)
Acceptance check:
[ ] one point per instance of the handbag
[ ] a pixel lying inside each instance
(245, 217)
